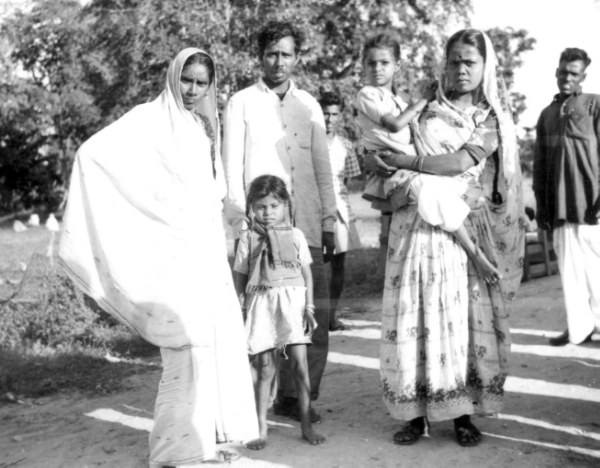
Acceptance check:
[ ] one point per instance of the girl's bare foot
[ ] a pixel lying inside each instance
(485, 268)
(257, 444)
(311, 436)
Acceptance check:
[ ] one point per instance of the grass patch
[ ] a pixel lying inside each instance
(53, 338)
(38, 371)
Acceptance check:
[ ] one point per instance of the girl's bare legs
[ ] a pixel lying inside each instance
(486, 269)
(300, 367)
(264, 367)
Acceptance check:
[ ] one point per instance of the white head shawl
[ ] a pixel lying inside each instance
(143, 233)
(494, 90)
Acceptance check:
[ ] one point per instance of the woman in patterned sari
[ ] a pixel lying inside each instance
(445, 333)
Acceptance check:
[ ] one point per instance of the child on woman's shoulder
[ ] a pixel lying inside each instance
(384, 113)
(274, 282)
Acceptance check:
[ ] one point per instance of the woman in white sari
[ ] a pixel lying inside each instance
(445, 333)
(143, 236)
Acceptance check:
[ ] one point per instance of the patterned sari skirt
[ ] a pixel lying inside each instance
(445, 337)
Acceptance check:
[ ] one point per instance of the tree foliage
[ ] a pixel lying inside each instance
(80, 68)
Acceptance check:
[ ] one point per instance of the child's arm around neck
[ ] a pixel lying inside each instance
(395, 123)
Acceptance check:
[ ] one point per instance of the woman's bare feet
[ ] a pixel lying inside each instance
(311, 436)
(485, 268)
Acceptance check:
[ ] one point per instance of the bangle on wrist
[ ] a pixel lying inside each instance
(418, 163)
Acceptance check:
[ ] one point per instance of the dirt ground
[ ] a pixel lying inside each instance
(551, 416)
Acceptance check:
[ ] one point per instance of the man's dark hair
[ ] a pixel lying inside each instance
(329, 98)
(277, 30)
(572, 54)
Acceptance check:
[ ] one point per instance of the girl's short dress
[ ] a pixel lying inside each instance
(274, 313)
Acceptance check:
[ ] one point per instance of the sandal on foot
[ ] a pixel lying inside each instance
(467, 435)
(224, 456)
(410, 433)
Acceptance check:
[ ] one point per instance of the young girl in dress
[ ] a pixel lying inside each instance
(273, 280)
(384, 116)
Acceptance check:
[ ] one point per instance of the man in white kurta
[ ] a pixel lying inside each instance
(274, 128)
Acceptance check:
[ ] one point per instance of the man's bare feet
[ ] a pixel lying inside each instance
(257, 444)
(311, 436)
(485, 268)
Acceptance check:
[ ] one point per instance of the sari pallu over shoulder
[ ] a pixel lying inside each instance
(143, 233)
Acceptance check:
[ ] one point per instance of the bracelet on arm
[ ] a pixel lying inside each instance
(417, 164)
(310, 308)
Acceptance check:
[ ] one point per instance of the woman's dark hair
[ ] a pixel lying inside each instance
(264, 186)
(472, 37)
(572, 54)
(275, 31)
(329, 98)
(383, 41)
(202, 59)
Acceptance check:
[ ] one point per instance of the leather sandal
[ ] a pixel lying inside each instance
(467, 435)
(410, 433)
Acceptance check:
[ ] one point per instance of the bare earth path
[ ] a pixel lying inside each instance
(551, 416)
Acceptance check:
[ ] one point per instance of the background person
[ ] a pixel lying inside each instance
(344, 165)
(156, 173)
(274, 128)
(566, 174)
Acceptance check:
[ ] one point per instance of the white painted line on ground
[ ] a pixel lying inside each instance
(545, 425)
(513, 384)
(565, 448)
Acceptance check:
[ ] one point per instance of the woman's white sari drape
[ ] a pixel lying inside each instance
(143, 235)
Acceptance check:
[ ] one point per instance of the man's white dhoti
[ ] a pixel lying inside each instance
(577, 247)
